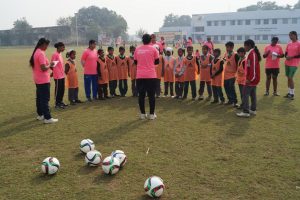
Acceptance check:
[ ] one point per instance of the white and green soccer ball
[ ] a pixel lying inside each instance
(154, 186)
(93, 158)
(120, 155)
(110, 165)
(50, 165)
(87, 145)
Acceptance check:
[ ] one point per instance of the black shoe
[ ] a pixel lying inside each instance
(266, 94)
(228, 103)
(89, 100)
(72, 103)
(288, 95)
(63, 104)
(59, 106)
(101, 99)
(291, 97)
(78, 101)
(235, 105)
(214, 102)
(107, 97)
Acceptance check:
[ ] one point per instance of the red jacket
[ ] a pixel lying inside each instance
(252, 69)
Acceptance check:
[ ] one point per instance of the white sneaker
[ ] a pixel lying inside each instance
(252, 112)
(50, 121)
(242, 114)
(143, 116)
(40, 118)
(152, 117)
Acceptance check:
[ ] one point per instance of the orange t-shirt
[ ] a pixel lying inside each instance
(158, 68)
(132, 68)
(112, 68)
(205, 64)
(230, 66)
(178, 69)
(169, 69)
(72, 78)
(104, 72)
(241, 75)
(219, 79)
(122, 65)
(191, 69)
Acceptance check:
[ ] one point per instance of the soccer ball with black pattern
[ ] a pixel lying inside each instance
(87, 145)
(93, 158)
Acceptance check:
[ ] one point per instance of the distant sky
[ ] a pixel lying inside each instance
(138, 13)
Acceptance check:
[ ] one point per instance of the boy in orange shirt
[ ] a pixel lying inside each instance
(217, 76)
(169, 66)
(132, 70)
(123, 71)
(205, 67)
(102, 76)
(159, 72)
(179, 74)
(241, 73)
(112, 71)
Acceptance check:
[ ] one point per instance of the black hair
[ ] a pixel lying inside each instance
(241, 50)
(42, 41)
(92, 42)
(251, 44)
(275, 39)
(205, 47)
(58, 45)
(218, 51)
(229, 44)
(146, 39)
(99, 51)
(131, 48)
(110, 49)
(190, 47)
(294, 33)
(121, 48)
(180, 49)
(68, 54)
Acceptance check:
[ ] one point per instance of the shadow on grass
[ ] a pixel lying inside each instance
(79, 156)
(42, 178)
(17, 119)
(20, 127)
(146, 197)
(84, 170)
(104, 178)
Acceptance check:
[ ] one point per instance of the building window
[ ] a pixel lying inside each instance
(240, 22)
(216, 38)
(223, 37)
(266, 21)
(223, 23)
(248, 22)
(274, 21)
(208, 23)
(199, 28)
(232, 37)
(239, 37)
(232, 22)
(285, 20)
(216, 23)
(247, 37)
(257, 22)
(265, 37)
(257, 37)
(294, 20)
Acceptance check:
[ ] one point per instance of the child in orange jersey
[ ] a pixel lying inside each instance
(179, 74)
(205, 67)
(217, 77)
(159, 73)
(123, 71)
(132, 70)
(169, 77)
(230, 68)
(72, 77)
(103, 76)
(191, 64)
(241, 75)
(112, 71)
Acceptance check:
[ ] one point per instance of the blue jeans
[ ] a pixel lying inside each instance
(91, 81)
(229, 86)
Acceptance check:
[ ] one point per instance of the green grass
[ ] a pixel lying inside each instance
(199, 150)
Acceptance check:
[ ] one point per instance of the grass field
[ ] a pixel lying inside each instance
(199, 150)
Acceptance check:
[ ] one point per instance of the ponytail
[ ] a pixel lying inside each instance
(41, 42)
(251, 44)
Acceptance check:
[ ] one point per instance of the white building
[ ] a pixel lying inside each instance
(239, 26)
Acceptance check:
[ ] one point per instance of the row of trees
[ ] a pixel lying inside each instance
(269, 5)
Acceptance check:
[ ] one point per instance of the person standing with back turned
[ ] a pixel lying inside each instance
(146, 57)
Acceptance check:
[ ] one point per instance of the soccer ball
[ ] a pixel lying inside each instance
(86, 145)
(110, 165)
(121, 156)
(50, 165)
(154, 186)
(93, 158)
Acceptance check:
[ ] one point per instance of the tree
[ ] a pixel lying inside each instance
(267, 5)
(175, 20)
(297, 5)
(65, 21)
(141, 32)
(22, 24)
